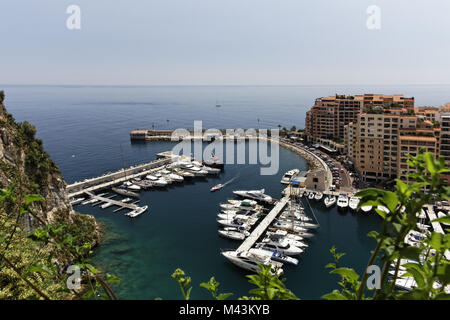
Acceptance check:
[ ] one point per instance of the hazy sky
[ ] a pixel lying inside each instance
(225, 42)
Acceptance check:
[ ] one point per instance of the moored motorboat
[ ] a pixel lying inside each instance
(289, 175)
(233, 234)
(342, 201)
(329, 201)
(279, 246)
(249, 261)
(353, 203)
(156, 181)
(311, 195)
(136, 212)
(254, 194)
(318, 196)
(275, 256)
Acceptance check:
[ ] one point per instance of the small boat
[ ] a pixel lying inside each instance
(342, 201)
(329, 201)
(311, 195)
(306, 194)
(366, 209)
(216, 187)
(76, 201)
(136, 212)
(318, 196)
(289, 175)
(275, 256)
(353, 203)
(254, 194)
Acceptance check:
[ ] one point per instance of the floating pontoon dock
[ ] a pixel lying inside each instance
(259, 230)
(113, 202)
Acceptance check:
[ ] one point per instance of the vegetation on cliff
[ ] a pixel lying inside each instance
(40, 234)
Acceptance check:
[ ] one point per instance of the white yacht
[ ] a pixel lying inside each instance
(233, 234)
(248, 261)
(254, 194)
(318, 196)
(245, 202)
(298, 223)
(329, 201)
(290, 231)
(156, 181)
(183, 173)
(275, 237)
(285, 234)
(76, 201)
(342, 201)
(131, 186)
(279, 246)
(234, 223)
(289, 175)
(274, 256)
(136, 212)
(288, 227)
(353, 203)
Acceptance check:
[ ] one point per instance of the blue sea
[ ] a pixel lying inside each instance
(86, 131)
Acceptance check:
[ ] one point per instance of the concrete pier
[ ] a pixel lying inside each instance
(111, 179)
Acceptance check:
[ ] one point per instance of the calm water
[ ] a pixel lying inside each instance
(84, 128)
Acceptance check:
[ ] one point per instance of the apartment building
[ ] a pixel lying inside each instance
(382, 142)
(329, 115)
(445, 138)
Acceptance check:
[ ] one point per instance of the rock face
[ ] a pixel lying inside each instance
(23, 159)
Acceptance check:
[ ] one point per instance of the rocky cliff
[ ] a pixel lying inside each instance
(23, 161)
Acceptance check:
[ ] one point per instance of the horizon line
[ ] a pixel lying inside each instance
(219, 85)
